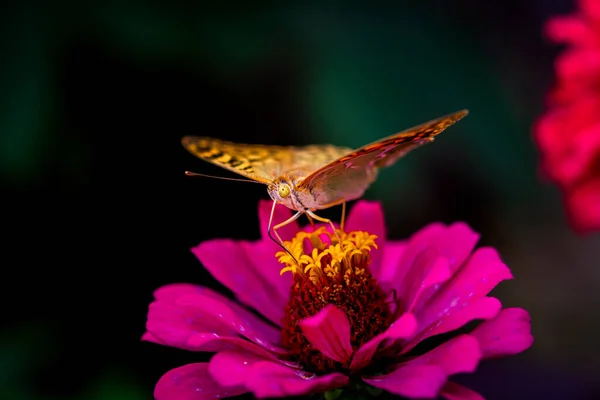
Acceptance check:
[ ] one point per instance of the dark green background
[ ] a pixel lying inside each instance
(97, 212)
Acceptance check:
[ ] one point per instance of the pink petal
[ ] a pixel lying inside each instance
(229, 262)
(507, 334)
(457, 355)
(231, 368)
(148, 337)
(195, 320)
(184, 294)
(454, 246)
(416, 244)
(392, 253)
(244, 324)
(192, 382)
(403, 327)
(454, 391)
(482, 272)
(182, 327)
(329, 332)
(172, 291)
(268, 379)
(424, 376)
(439, 273)
(412, 381)
(482, 308)
(427, 270)
(210, 343)
(250, 321)
(367, 216)
(456, 243)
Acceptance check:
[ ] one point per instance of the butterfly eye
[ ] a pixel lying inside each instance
(284, 190)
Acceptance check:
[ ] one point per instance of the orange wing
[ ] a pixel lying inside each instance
(349, 176)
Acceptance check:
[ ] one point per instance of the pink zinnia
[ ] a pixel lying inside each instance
(568, 134)
(350, 316)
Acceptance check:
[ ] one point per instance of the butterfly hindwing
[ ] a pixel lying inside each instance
(349, 176)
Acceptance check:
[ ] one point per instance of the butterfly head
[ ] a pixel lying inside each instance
(281, 191)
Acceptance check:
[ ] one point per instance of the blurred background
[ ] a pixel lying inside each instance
(98, 213)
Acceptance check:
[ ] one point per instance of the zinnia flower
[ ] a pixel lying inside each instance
(568, 134)
(352, 317)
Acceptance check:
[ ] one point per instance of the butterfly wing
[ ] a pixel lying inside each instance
(262, 163)
(348, 177)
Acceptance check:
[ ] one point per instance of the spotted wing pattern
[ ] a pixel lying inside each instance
(346, 174)
(262, 163)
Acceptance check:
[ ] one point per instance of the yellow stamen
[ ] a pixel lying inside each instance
(327, 258)
(332, 268)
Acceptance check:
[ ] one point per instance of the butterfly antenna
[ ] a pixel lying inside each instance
(190, 173)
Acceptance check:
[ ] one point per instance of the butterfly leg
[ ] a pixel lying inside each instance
(284, 223)
(343, 216)
(312, 221)
(279, 241)
(324, 220)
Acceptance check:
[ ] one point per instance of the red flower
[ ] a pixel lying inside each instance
(568, 134)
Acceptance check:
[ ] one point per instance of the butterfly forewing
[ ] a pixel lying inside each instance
(262, 163)
(347, 177)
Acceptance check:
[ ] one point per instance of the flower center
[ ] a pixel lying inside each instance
(331, 271)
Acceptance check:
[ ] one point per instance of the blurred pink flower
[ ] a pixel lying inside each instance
(568, 134)
(351, 316)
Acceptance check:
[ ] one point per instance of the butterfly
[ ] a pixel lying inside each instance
(315, 177)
